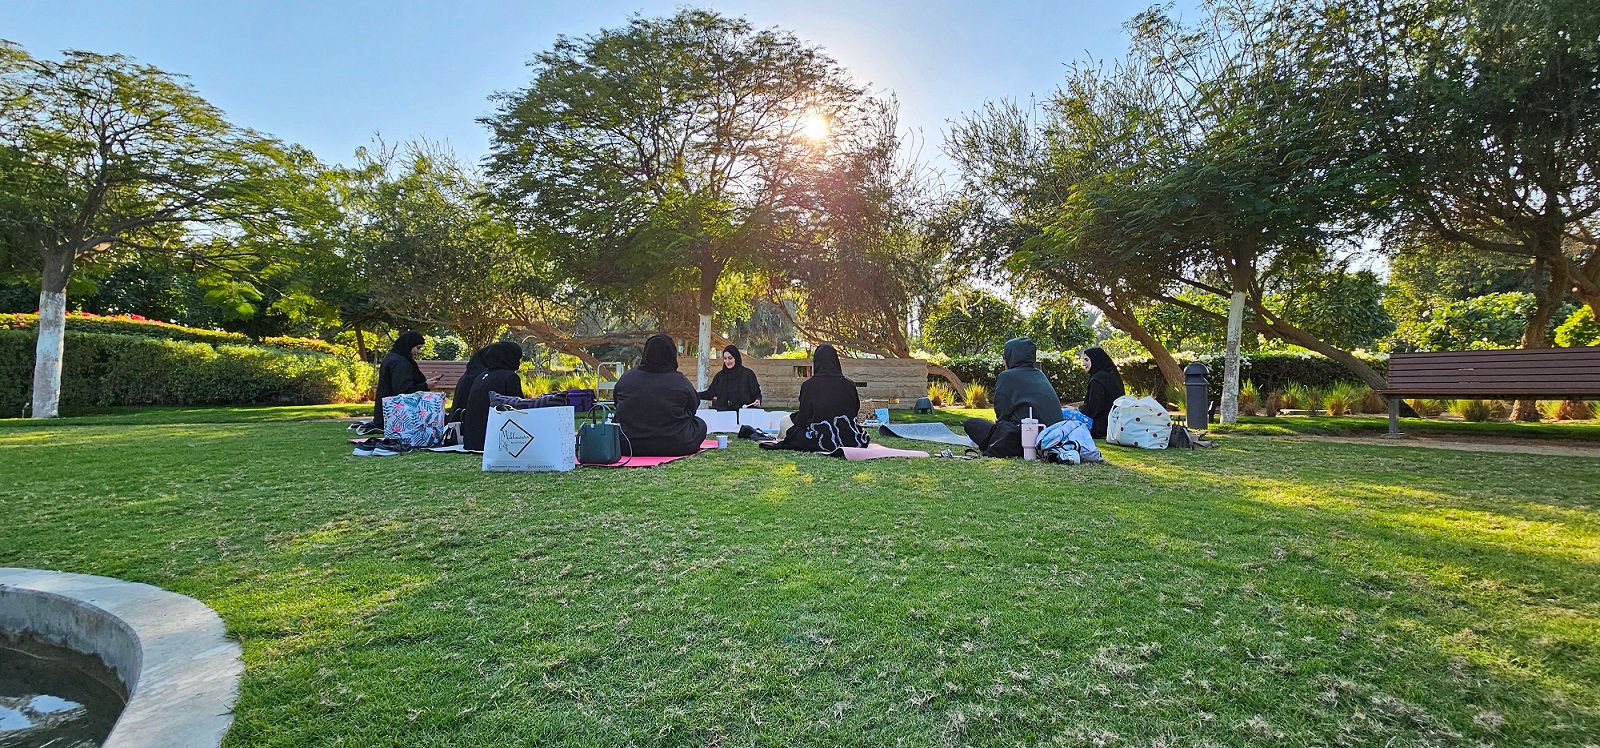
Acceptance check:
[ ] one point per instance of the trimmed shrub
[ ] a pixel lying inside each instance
(977, 396)
(941, 394)
(102, 370)
(133, 324)
(1343, 398)
(1428, 408)
(1273, 404)
(1249, 399)
(1471, 410)
(1566, 410)
(1372, 402)
(1268, 371)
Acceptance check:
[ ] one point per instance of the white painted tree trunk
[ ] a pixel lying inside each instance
(1230, 371)
(47, 353)
(702, 365)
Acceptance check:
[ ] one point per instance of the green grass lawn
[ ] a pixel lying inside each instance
(1271, 592)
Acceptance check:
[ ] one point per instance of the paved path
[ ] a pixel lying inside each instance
(1499, 446)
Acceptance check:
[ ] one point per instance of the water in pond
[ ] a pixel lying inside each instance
(52, 697)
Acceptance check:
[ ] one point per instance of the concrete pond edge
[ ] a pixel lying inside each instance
(172, 652)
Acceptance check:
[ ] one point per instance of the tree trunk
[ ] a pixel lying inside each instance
(1536, 333)
(1230, 370)
(709, 271)
(1126, 322)
(361, 344)
(1292, 334)
(52, 333)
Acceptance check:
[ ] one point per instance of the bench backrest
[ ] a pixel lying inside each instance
(1535, 373)
(447, 372)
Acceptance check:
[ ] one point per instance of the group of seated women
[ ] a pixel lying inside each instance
(1023, 391)
(656, 404)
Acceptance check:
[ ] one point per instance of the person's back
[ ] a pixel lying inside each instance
(500, 362)
(463, 393)
(1022, 388)
(1019, 391)
(656, 405)
(829, 402)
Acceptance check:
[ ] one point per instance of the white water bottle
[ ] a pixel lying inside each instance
(1030, 437)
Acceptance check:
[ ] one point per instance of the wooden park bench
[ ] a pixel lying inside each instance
(1523, 374)
(447, 372)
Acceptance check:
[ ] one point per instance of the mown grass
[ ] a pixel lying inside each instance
(1266, 593)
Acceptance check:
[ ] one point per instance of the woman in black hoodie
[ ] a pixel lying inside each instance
(656, 405)
(463, 393)
(398, 374)
(829, 402)
(735, 386)
(1019, 391)
(500, 362)
(1105, 386)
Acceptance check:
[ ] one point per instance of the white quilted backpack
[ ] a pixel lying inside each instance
(1139, 422)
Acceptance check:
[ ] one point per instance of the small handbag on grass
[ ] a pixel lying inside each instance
(599, 442)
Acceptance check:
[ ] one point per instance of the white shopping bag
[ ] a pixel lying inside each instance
(719, 421)
(533, 440)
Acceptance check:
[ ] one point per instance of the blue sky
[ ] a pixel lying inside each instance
(329, 75)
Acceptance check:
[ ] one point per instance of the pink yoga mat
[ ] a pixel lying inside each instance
(878, 452)
(654, 461)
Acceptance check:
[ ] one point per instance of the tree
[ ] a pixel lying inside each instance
(1016, 175)
(872, 250)
(970, 322)
(1425, 276)
(1058, 328)
(106, 158)
(663, 154)
(1486, 116)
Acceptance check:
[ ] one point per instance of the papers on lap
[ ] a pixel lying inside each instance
(728, 422)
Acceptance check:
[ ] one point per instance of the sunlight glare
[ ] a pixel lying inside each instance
(815, 127)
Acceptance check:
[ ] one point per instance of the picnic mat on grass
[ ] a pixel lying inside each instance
(646, 461)
(926, 432)
(878, 452)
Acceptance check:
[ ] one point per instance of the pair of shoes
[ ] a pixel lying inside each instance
(380, 448)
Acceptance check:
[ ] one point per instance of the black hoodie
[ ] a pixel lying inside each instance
(398, 374)
(829, 402)
(1105, 386)
(732, 389)
(463, 393)
(500, 363)
(656, 405)
(1022, 387)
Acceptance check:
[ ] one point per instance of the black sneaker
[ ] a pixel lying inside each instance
(390, 448)
(365, 449)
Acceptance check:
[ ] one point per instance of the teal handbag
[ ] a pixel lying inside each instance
(600, 442)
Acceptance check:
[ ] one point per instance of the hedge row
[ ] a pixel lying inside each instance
(102, 370)
(1269, 371)
(168, 331)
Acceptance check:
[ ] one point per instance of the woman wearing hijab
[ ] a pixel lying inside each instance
(735, 386)
(656, 405)
(826, 418)
(475, 369)
(1021, 390)
(1105, 386)
(500, 363)
(398, 374)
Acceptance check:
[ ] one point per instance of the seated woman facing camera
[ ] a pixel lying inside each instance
(656, 405)
(826, 418)
(734, 386)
